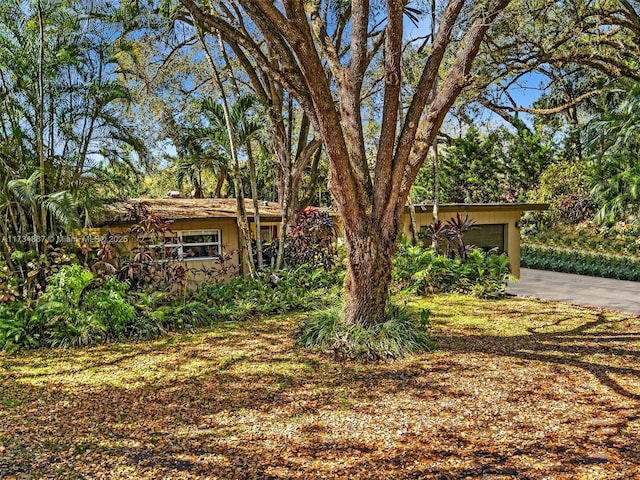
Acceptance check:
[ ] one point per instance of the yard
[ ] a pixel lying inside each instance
(515, 389)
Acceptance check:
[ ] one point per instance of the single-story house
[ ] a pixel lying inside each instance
(497, 225)
(203, 228)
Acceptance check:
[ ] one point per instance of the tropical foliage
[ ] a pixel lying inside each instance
(65, 144)
(80, 308)
(312, 240)
(424, 271)
(614, 143)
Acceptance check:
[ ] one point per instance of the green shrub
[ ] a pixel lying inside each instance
(75, 310)
(67, 286)
(66, 324)
(19, 327)
(423, 271)
(558, 184)
(581, 262)
(107, 305)
(300, 289)
(620, 238)
(399, 335)
(69, 328)
(409, 260)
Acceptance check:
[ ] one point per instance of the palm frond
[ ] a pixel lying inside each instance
(63, 208)
(25, 190)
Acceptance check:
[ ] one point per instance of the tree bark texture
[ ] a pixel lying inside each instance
(369, 263)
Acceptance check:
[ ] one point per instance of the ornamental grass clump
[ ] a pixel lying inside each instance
(401, 334)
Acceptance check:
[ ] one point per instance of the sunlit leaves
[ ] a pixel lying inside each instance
(614, 143)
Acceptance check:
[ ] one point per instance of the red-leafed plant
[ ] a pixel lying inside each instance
(312, 240)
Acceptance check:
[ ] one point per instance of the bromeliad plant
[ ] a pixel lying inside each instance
(437, 231)
(448, 238)
(457, 227)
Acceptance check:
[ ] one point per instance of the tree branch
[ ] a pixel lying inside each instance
(454, 82)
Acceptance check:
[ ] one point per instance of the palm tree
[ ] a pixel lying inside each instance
(246, 124)
(191, 167)
(243, 122)
(60, 116)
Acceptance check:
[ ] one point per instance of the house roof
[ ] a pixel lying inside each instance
(481, 207)
(184, 208)
(201, 208)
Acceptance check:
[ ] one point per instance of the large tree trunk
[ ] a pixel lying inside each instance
(369, 264)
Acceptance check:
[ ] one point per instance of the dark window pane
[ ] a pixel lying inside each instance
(203, 238)
(199, 251)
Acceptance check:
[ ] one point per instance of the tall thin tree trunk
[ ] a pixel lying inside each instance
(413, 227)
(252, 165)
(436, 182)
(436, 191)
(285, 207)
(313, 184)
(285, 154)
(40, 123)
(243, 223)
(412, 220)
(256, 204)
(434, 147)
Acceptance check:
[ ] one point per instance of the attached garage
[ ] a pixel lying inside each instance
(496, 224)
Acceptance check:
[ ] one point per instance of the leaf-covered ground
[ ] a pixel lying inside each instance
(517, 389)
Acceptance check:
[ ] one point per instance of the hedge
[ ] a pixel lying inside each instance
(582, 262)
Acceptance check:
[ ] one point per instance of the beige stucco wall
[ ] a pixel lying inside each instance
(507, 217)
(229, 235)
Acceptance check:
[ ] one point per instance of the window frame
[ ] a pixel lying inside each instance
(178, 243)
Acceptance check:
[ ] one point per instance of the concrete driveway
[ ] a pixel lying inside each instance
(578, 289)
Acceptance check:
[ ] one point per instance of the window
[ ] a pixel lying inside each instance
(192, 245)
(200, 244)
(268, 233)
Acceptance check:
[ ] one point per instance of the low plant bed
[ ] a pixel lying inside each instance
(80, 309)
